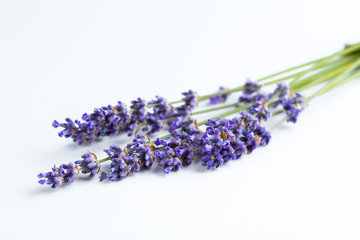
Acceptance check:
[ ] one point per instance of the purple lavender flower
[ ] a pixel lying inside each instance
(251, 141)
(236, 126)
(238, 148)
(139, 110)
(130, 128)
(84, 132)
(212, 160)
(292, 111)
(171, 142)
(121, 168)
(69, 127)
(250, 122)
(104, 121)
(210, 146)
(68, 172)
(282, 89)
(153, 124)
(229, 139)
(297, 99)
(188, 134)
(246, 98)
(186, 153)
(252, 93)
(221, 97)
(114, 151)
(168, 160)
(65, 174)
(122, 165)
(113, 120)
(180, 122)
(161, 108)
(141, 150)
(191, 101)
(118, 169)
(260, 110)
(103, 176)
(52, 178)
(292, 106)
(228, 152)
(88, 165)
(263, 134)
(113, 117)
(251, 87)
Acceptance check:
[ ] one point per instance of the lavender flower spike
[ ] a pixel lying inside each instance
(168, 160)
(161, 108)
(88, 165)
(122, 165)
(52, 178)
(260, 110)
(65, 174)
(221, 97)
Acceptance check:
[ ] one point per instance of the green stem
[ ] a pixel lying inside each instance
(336, 80)
(104, 159)
(298, 75)
(318, 65)
(215, 109)
(346, 51)
(320, 76)
(355, 75)
(288, 70)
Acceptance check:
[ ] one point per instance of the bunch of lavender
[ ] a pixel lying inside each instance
(213, 142)
(223, 140)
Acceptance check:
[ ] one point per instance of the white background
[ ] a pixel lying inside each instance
(62, 58)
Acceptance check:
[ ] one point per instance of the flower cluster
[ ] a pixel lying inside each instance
(261, 102)
(229, 139)
(282, 90)
(122, 165)
(292, 107)
(141, 149)
(252, 93)
(181, 115)
(168, 159)
(221, 97)
(113, 120)
(260, 110)
(223, 140)
(105, 121)
(290, 104)
(88, 164)
(65, 174)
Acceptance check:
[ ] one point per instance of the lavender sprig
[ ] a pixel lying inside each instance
(113, 120)
(221, 97)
